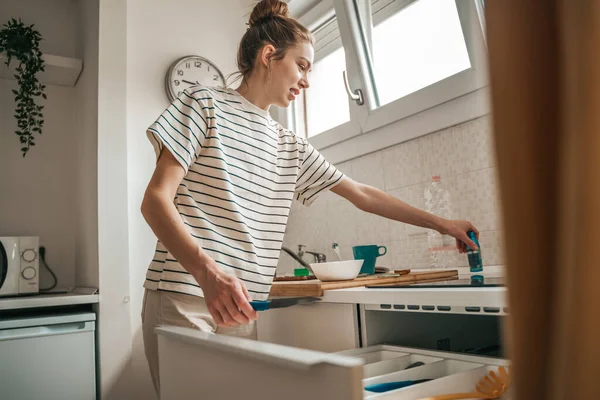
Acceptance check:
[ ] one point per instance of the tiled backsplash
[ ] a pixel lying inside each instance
(462, 155)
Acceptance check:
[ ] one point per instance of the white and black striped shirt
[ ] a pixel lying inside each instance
(242, 172)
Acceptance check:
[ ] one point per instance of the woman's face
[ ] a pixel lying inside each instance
(288, 76)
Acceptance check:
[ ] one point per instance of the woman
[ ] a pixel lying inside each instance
(226, 175)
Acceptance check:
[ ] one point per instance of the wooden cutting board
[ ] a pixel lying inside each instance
(316, 288)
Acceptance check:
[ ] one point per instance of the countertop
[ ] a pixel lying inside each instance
(471, 300)
(47, 300)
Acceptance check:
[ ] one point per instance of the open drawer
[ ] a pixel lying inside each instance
(202, 365)
(446, 372)
(382, 360)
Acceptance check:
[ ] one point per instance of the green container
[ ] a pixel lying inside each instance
(301, 272)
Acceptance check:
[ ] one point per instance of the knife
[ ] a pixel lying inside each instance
(263, 305)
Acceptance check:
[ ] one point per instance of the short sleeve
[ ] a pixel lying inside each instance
(315, 177)
(182, 128)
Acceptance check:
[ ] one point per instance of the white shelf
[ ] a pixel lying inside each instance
(47, 300)
(61, 71)
(475, 300)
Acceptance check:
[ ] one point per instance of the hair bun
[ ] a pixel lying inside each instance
(265, 9)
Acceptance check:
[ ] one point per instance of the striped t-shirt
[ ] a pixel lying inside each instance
(242, 172)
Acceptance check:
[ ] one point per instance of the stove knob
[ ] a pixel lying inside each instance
(29, 255)
(28, 273)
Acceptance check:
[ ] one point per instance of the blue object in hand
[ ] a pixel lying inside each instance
(260, 305)
(387, 386)
(474, 256)
(264, 305)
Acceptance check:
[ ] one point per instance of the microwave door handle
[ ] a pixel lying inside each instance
(3, 264)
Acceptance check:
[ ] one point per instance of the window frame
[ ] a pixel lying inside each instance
(441, 100)
(313, 19)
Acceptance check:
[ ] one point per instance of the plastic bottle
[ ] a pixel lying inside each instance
(442, 248)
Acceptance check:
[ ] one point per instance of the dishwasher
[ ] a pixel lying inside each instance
(48, 356)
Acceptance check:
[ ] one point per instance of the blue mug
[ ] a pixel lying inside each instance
(369, 253)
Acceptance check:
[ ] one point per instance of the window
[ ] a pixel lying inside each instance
(327, 104)
(401, 57)
(417, 46)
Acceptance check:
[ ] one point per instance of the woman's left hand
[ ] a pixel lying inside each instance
(458, 229)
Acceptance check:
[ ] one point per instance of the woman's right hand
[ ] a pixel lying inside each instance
(226, 296)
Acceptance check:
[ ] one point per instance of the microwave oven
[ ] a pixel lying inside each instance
(19, 265)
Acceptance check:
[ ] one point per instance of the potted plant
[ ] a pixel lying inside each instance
(21, 42)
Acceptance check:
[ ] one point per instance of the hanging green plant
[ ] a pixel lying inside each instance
(23, 43)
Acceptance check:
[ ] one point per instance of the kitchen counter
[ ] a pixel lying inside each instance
(452, 300)
(470, 300)
(47, 300)
(338, 320)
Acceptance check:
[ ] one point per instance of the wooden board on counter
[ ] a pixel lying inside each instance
(317, 288)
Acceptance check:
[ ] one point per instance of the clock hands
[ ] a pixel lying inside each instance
(190, 83)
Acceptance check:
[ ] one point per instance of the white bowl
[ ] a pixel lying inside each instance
(337, 270)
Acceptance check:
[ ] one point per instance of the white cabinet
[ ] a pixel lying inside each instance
(197, 365)
(338, 348)
(455, 319)
(48, 356)
(201, 365)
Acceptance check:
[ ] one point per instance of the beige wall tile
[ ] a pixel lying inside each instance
(464, 157)
(402, 165)
(369, 170)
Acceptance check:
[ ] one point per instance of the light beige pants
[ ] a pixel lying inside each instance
(166, 308)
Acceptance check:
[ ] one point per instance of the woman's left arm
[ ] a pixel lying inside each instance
(376, 201)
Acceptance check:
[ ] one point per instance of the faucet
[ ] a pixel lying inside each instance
(298, 257)
(319, 257)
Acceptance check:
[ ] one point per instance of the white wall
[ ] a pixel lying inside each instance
(158, 32)
(86, 136)
(113, 249)
(55, 19)
(39, 192)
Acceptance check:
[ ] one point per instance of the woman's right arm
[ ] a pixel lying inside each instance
(226, 296)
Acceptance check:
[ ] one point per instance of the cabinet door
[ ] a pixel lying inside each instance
(54, 362)
(202, 365)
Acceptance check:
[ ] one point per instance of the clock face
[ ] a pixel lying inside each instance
(189, 71)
